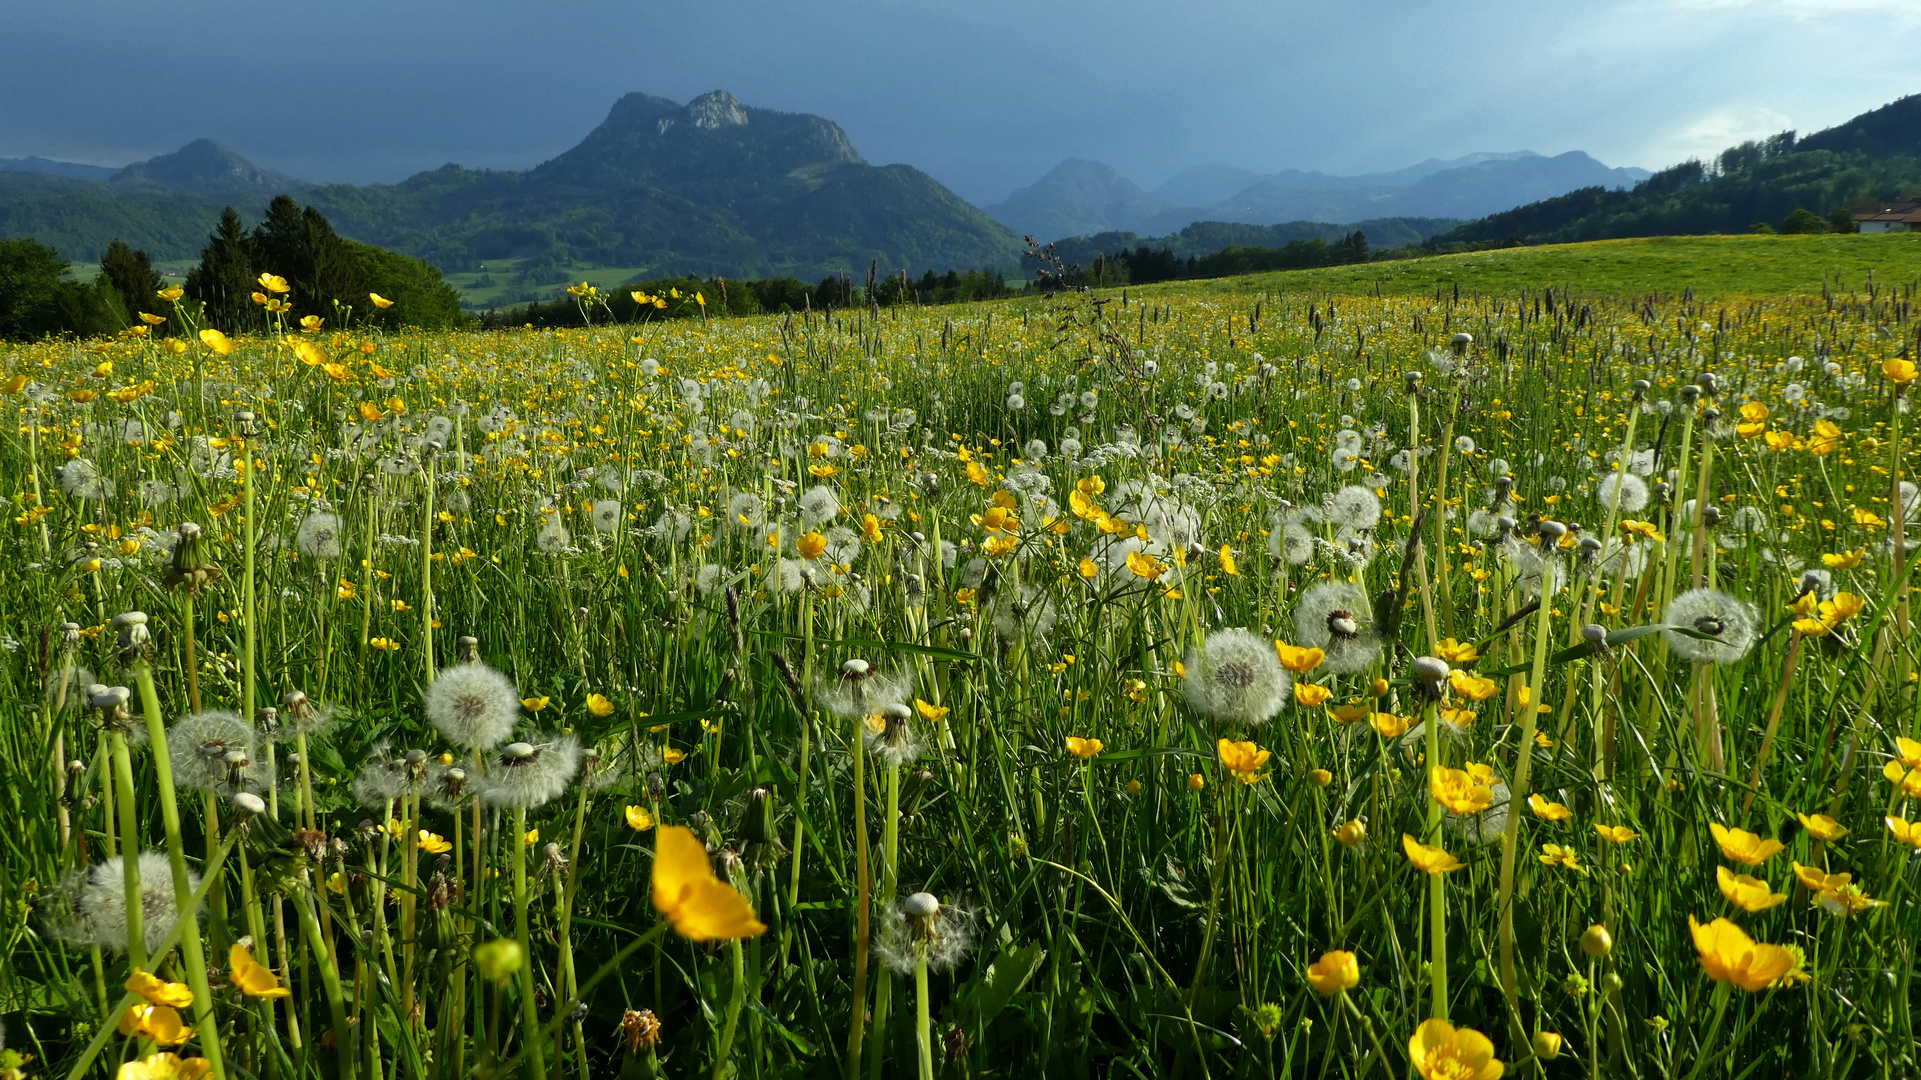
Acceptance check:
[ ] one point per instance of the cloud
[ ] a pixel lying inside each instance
(1707, 135)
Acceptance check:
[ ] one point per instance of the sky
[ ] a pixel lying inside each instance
(985, 95)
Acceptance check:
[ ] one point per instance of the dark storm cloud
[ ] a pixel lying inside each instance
(985, 95)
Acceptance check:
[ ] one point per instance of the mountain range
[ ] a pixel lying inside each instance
(711, 187)
(1082, 198)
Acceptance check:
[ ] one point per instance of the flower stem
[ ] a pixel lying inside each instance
(1436, 883)
(734, 999)
(922, 1026)
(529, 1015)
(1517, 795)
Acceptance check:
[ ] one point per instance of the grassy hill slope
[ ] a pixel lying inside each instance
(1710, 265)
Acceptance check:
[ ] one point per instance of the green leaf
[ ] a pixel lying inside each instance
(989, 991)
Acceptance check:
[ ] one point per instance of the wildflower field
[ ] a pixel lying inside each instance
(1191, 682)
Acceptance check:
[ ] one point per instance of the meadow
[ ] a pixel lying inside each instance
(1272, 677)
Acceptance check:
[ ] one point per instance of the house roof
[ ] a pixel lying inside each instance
(1908, 212)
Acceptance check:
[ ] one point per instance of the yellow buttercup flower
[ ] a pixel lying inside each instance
(1335, 971)
(1556, 855)
(1546, 810)
(1616, 834)
(1729, 955)
(1243, 759)
(1352, 833)
(1899, 371)
(701, 906)
(1906, 831)
(1441, 1051)
(1747, 893)
(433, 843)
(157, 991)
(216, 341)
(379, 300)
(1083, 748)
(1846, 560)
(1143, 565)
(1429, 860)
(163, 1066)
(534, 704)
(1743, 846)
(159, 1024)
(1459, 791)
(639, 818)
(1471, 686)
(1309, 695)
(1821, 826)
(273, 283)
(931, 713)
(1298, 660)
(253, 978)
(599, 705)
(811, 545)
(1457, 653)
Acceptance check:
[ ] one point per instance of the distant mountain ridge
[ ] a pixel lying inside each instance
(1081, 198)
(711, 187)
(50, 167)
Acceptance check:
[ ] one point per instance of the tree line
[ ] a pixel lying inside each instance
(329, 277)
(692, 297)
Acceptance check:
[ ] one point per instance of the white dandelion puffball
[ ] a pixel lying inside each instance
(473, 706)
(1236, 679)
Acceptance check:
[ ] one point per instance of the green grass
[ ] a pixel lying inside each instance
(1709, 265)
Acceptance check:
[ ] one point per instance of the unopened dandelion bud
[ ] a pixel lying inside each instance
(1430, 675)
(1413, 379)
(1638, 389)
(467, 649)
(1690, 393)
(1460, 342)
(757, 822)
(70, 635)
(76, 767)
(1708, 382)
(108, 698)
(1597, 942)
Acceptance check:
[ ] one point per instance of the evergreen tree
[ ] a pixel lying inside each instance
(133, 279)
(224, 280)
(38, 300)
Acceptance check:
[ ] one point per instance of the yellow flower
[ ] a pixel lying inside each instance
(1457, 790)
(701, 906)
(1616, 834)
(171, 293)
(163, 1066)
(639, 818)
(1083, 748)
(1143, 565)
(158, 991)
(379, 300)
(273, 283)
(1471, 686)
(1389, 726)
(1352, 833)
(1195, 781)
(311, 323)
(1898, 371)
(1308, 695)
(160, 1024)
(1743, 846)
(433, 843)
(532, 837)
(599, 705)
(1547, 811)
(1335, 971)
(1298, 660)
(1846, 560)
(253, 978)
(1906, 831)
(1821, 826)
(1320, 777)
(1088, 568)
(1243, 759)
(1644, 530)
(534, 704)
(1556, 855)
(1547, 1045)
(672, 756)
(1228, 565)
(1747, 893)
(308, 353)
(216, 341)
(1351, 713)
(1441, 1051)
(811, 545)
(1731, 956)
(931, 713)
(1457, 653)
(1428, 860)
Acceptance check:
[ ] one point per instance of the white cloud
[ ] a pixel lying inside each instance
(1708, 134)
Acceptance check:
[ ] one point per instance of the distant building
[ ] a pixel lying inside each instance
(1901, 217)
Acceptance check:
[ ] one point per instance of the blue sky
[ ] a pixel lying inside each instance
(983, 94)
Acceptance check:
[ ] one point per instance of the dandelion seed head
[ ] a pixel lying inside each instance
(1338, 618)
(90, 907)
(1236, 679)
(202, 746)
(1729, 625)
(530, 774)
(473, 706)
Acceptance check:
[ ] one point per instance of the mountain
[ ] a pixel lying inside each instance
(1076, 198)
(1871, 159)
(55, 168)
(206, 167)
(711, 187)
(1081, 197)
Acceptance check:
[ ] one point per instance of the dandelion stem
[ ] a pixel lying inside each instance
(529, 1014)
(1517, 796)
(735, 997)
